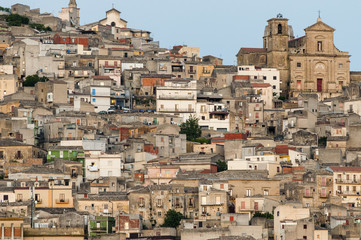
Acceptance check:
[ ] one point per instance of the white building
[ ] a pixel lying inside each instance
(99, 164)
(100, 97)
(271, 163)
(268, 75)
(214, 116)
(177, 97)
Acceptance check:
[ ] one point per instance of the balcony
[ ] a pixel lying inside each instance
(192, 71)
(211, 203)
(324, 195)
(93, 168)
(177, 97)
(347, 181)
(62, 201)
(257, 109)
(350, 193)
(206, 71)
(307, 196)
(61, 66)
(159, 205)
(178, 206)
(141, 205)
(172, 110)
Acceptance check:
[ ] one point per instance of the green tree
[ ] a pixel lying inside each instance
(31, 80)
(172, 218)
(40, 27)
(221, 166)
(263, 215)
(5, 9)
(16, 20)
(191, 128)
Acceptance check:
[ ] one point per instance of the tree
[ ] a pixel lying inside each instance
(221, 166)
(172, 218)
(31, 80)
(191, 128)
(16, 20)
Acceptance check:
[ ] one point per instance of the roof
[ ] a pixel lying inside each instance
(251, 50)
(261, 85)
(346, 169)
(102, 78)
(8, 142)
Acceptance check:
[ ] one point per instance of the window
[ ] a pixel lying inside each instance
(274, 86)
(319, 46)
(93, 100)
(340, 65)
(62, 197)
(299, 64)
(305, 226)
(6, 197)
(248, 192)
(264, 77)
(222, 186)
(1, 154)
(159, 214)
(265, 192)
(279, 29)
(37, 197)
(19, 197)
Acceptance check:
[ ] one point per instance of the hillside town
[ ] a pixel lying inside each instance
(106, 135)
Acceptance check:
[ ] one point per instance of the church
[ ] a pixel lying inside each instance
(309, 64)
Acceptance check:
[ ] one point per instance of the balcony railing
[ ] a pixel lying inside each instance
(347, 181)
(212, 203)
(171, 110)
(62, 201)
(176, 97)
(192, 71)
(348, 193)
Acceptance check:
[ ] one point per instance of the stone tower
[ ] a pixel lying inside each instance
(276, 36)
(70, 15)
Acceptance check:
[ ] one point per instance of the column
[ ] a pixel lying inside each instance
(2, 232)
(12, 231)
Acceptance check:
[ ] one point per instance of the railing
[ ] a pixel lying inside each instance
(307, 195)
(348, 193)
(187, 97)
(176, 110)
(62, 201)
(212, 203)
(206, 71)
(349, 181)
(192, 71)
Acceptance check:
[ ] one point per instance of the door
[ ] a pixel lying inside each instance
(319, 84)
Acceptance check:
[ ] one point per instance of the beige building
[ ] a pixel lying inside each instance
(347, 184)
(286, 216)
(310, 63)
(8, 84)
(70, 15)
(103, 204)
(47, 194)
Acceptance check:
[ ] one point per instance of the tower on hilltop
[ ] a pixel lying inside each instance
(70, 15)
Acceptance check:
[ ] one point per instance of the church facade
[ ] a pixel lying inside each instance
(307, 64)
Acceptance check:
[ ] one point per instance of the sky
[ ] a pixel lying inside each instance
(221, 28)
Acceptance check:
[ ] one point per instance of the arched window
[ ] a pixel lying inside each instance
(279, 29)
(113, 24)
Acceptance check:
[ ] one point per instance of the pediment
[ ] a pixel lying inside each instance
(320, 26)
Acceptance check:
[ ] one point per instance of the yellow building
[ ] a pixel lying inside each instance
(47, 194)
